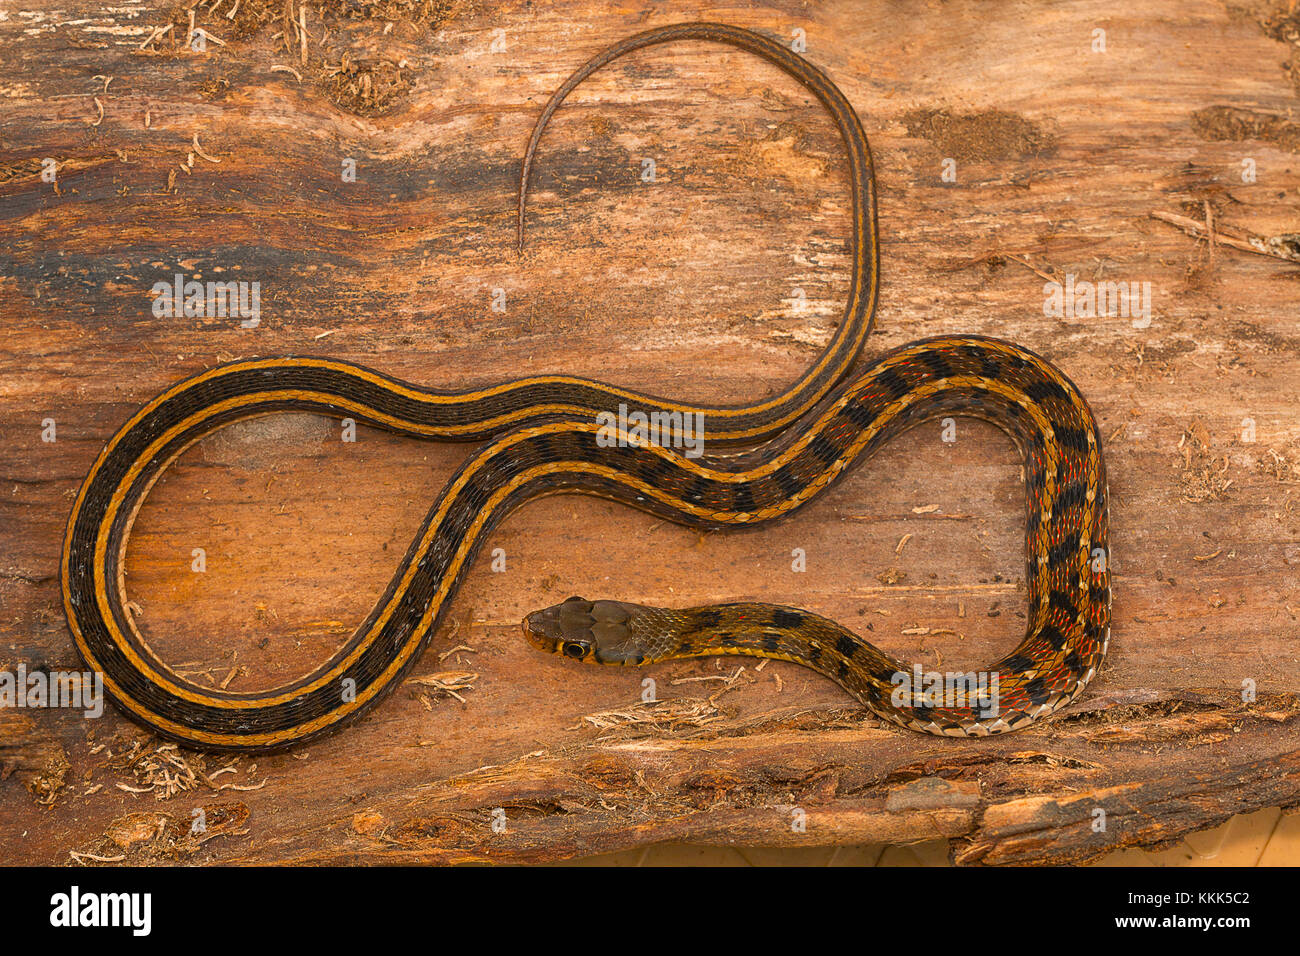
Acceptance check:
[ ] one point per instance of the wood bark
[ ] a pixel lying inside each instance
(716, 281)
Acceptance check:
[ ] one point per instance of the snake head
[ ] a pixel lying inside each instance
(583, 630)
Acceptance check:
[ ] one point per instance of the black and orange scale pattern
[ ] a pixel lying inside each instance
(541, 436)
(1068, 573)
(389, 641)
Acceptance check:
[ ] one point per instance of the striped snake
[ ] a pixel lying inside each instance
(541, 435)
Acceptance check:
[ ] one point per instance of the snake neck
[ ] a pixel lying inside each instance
(762, 630)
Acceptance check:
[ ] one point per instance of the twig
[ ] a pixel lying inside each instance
(199, 150)
(1209, 228)
(80, 857)
(158, 34)
(1285, 246)
(302, 20)
(290, 27)
(1031, 267)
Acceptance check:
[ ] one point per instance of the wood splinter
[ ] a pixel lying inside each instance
(1285, 246)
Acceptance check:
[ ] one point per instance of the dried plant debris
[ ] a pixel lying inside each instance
(1204, 473)
(348, 47)
(148, 836)
(662, 716)
(49, 780)
(226, 20)
(366, 86)
(166, 770)
(1282, 466)
(431, 12)
(442, 685)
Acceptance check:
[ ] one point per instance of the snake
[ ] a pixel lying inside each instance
(544, 434)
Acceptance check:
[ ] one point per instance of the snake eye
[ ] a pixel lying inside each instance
(575, 650)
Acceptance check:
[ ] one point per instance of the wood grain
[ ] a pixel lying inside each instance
(684, 286)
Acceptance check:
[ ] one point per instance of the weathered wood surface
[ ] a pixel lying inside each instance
(684, 286)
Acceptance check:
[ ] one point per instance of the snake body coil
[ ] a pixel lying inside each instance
(1066, 519)
(540, 435)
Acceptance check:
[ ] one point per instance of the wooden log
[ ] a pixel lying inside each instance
(1014, 147)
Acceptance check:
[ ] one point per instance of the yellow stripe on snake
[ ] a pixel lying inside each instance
(541, 435)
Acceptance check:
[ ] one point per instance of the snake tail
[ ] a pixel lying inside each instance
(537, 431)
